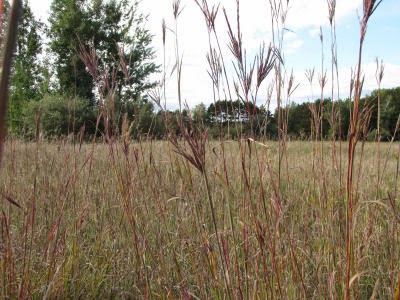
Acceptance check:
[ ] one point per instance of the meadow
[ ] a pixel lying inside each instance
(139, 220)
(192, 216)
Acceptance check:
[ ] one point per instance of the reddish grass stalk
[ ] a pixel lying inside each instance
(278, 13)
(369, 7)
(379, 76)
(179, 60)
(334, 67)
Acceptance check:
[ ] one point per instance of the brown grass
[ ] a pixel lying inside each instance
(97, 223)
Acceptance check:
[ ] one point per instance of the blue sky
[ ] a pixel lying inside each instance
(302, 47)
(381, 40)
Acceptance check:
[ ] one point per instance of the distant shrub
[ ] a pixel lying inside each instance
(60, 115)
(373, 135)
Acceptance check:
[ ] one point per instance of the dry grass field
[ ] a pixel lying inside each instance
(111, 221)
(191, 217)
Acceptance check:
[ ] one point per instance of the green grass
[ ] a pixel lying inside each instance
(96, 223)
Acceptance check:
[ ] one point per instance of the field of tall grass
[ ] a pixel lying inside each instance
(190, 217)
(99, 221)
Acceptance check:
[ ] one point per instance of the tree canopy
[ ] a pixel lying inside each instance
(28, 73)
(115, 31)
(50, 62)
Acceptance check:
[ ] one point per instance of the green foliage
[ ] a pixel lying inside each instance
(146, 122)
(234, 119)
(68, 25)
(390, 111)
(232, 111)
(60, 115)
(27, 75)
(115, 30)
(145, 114)
(200, 114)
(299, 125)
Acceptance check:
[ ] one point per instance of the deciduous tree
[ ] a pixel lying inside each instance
(27, 75)
(115, 30)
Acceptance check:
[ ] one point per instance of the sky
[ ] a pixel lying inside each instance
(302, 48)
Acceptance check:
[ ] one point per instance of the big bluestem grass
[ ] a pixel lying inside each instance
(80, 211)
(190, 217)
(356, 120)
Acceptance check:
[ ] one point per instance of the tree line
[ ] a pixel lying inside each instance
(232, 118)
(95, 56)
(300, 125)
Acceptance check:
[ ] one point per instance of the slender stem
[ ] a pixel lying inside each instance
(354, 131)
(211, 202)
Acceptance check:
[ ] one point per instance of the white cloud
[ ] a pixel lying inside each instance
(289, 35)
(291, 42)
(390, 77)
(306, 13)
(314, 32)
(292, 46)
